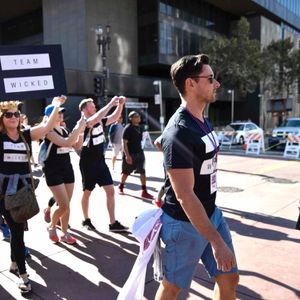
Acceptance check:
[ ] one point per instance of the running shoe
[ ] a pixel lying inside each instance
(24, 285)
(121, 192)
(146, 195)
(53, 235)
(47, 215)
(88, 224)
(67, 238)
(117, 227)
(5, 231)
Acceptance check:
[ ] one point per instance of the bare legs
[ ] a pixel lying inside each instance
(110, 202)
(224, 289)
(62, 194)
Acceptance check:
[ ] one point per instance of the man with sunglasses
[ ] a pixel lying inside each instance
(193, 227)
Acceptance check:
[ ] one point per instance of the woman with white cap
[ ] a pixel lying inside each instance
(59, 172)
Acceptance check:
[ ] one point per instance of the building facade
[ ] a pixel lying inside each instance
(146, 38)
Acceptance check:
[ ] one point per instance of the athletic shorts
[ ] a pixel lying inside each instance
(185, 247)
(116, 148)
(59, 174)
(94, 173)
(138, 164)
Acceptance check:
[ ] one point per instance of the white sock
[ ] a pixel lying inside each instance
(24, 277)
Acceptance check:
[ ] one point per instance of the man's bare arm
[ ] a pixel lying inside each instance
(182, 181)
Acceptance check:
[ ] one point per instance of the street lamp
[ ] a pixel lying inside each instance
(103, 43)
(158, 99)
(232, 104)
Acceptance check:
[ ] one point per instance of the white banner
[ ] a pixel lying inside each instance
(157, 99)
(136, 104)
(25, 61)
(26, 84)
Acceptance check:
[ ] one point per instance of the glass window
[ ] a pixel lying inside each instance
(238, 126)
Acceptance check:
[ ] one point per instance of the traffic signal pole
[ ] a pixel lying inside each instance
(161, 118)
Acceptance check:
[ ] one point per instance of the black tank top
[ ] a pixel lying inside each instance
(58, 156)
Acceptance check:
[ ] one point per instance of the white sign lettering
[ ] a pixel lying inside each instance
(25, 61)
(26, 84)
(14, 146)
(14, 157)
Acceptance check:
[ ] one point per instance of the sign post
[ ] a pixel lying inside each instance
(158, 100)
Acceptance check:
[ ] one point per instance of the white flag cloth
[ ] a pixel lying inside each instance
(146, 230)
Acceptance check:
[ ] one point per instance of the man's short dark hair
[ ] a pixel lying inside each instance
(185, 67)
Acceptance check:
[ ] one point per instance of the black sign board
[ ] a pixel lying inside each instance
(31, 72)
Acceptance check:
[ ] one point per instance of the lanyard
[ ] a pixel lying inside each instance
(205, 128)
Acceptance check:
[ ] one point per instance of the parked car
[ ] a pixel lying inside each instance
(241, 131)
(279, 134)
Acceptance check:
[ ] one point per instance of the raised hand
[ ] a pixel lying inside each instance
(60, 100)
(122, 100)
(114, 101)
(82, 122)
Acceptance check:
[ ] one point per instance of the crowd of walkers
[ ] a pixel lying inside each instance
(87, 137)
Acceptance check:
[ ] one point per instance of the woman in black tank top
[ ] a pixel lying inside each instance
(59, 173)
(14, 166)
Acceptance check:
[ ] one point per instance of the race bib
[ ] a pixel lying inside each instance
(63, 150)
(97, 130)
(98, 140)
(213, 182)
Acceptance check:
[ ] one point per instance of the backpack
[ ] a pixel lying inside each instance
(44, 153)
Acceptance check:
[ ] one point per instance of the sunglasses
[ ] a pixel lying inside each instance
(210, 78)
(10, 114)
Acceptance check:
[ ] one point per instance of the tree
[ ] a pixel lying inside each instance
(236, 60)
(284, 69)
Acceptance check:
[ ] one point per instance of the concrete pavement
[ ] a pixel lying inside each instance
(259, 198)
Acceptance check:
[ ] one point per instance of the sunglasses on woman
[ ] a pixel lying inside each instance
(10, 114)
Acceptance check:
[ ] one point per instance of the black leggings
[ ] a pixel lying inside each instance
(17, 246)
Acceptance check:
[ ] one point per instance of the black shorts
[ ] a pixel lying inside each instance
(59, 174)
(138, 164)
(94, 173)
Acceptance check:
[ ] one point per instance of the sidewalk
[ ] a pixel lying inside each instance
(260, 211)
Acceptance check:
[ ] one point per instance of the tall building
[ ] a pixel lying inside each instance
(146, 38)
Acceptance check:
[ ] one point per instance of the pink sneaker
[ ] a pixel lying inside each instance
(47, 215)
(53, 235)
(67, 238)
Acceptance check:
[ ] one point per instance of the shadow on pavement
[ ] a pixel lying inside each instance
(245, 290)
(64, 283)
(254, 231)
(112, 258)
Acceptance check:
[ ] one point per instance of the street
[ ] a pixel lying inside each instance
(259, 198)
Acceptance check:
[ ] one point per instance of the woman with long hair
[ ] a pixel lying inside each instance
(14, 172)
(59, 172)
